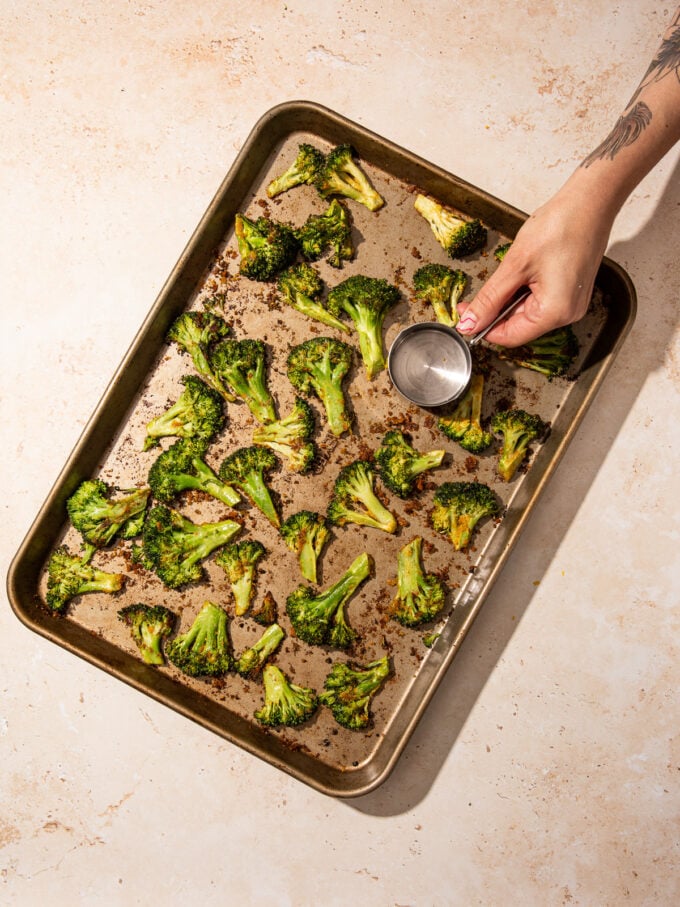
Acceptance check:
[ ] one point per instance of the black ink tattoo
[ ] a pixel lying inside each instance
(627, 130)
(665, 63)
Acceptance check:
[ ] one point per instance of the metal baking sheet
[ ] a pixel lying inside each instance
(391, 243)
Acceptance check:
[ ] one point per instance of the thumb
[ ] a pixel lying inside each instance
(490, 300)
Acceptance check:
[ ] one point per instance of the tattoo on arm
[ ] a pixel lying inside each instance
(666, 62)
(627, 130)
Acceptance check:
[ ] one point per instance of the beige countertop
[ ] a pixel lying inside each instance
(546, 769)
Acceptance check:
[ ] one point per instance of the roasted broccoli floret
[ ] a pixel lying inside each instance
(242, 366)
(69, 575)
(551, 354)
(173, 546)
(457, 236)
(265, 246)
(196, 333)
(320, 618)
(330, 230)
(197, 413)
(238, 561)
(251, 662)
(300, 285)
(354, 499)
(518, 428)
(268, 611)
(246, 468)
(349, 689)
(366, 300)
(291, 437)
(285, 703)
(205, 649)
(341, 174)
(149, 625)
(501, 251)
(458, 507)
(442, 287)
(99, 518)
(182, 468)
(420, 595)
(317, 366)
(400, 464)
(303, 171)
(464, 423)
(306, 533)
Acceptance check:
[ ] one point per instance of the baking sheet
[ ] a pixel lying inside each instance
(390, 243)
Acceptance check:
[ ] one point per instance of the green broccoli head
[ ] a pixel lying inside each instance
(291, 437)
(251, 662)
(238, 560)
(343, 175)
(354, 499)
(247, 469)
(518, 428)
(442, 288)
(265, 246)
(550, 354)
(242, 366)
(366, 300)
(457, 236)
(196, 333)
(501, 251)
(464, 424)
(197, 413)
(149, 625)
(300, 286)
(69, 576)
(349, 689)
(306, 533)
(319, 618)
(304, 170)
(182, 467)
(458, 507)
(400, 464)
(330, 230)
(318, 366)
(99, 518)
(204, 649)
(420, 596)
(174, 547)
(286, 704)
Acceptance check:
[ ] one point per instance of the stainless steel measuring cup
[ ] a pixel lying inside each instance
(430, 364)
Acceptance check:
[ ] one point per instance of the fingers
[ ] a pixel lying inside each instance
(490, 300)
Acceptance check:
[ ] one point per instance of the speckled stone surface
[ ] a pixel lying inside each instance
(546, 769)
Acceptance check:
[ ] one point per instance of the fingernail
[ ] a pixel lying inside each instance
(467, 323)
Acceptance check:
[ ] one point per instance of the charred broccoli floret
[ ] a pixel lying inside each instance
(458, 507)
(366, 300)
(518, 428)
(400, 464)
(266, 246)
(286, 704)
(306, 533)
(251, 662)
(317, 366)
(420, 595)
(69, 575)
(246, 468)
(354, 499)
(457, 236)
(301, 286)
(291, 437)
(341, 174)
(149, 625)
(442, 287)
(242, 366)
(304, 170)
(205, 649)
(182, 468)
(99, 518)
(330, 230)
(501, 251)
(320, 618)
(238, 560)
(464, 423)
(268, 611)
(173, 546)
(550, 355)
(196, 333)
(197, 413)
(349, 689)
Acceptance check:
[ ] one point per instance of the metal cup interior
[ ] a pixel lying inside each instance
(429, 364)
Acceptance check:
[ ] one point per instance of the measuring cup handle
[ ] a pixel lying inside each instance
(506, 311)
